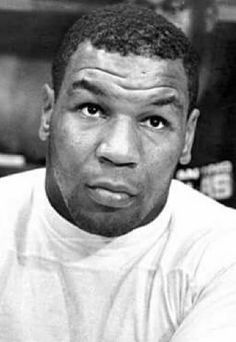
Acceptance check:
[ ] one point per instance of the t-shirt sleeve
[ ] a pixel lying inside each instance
(212, 317)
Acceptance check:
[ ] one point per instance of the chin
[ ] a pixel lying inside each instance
(106, 224)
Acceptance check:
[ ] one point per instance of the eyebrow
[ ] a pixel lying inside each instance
(86, 85)
(166, 100)
(93, 88)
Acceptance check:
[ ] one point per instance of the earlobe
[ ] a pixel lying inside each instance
(47, 110)
(185, 157)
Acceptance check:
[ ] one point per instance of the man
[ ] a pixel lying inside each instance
(104, 246)
(213, 164)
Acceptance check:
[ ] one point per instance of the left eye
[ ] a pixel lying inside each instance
(90, 109)
(154, 122)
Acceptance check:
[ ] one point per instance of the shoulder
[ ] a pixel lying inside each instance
(196, 209)
(16, 192)
(14, 185)
(17, 213)
(202, 234)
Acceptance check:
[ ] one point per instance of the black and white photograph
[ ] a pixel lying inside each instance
(117, 170)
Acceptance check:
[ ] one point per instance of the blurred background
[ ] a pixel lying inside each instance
(30, 31)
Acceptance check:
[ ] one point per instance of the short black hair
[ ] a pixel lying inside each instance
(128, 29)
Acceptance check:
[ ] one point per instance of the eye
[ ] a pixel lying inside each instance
(90, 109)
(155, 122)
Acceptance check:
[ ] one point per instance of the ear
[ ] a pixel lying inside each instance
(189, 137)
(47, 110)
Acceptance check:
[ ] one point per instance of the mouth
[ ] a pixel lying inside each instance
(111, 195)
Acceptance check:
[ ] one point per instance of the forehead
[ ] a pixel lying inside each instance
(129, 72)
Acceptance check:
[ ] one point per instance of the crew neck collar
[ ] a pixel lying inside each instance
(72, 235)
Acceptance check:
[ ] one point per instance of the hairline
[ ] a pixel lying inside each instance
(77, 33)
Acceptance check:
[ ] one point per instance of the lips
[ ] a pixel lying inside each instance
(112, 195)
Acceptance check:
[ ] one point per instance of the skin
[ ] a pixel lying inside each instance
(116, 133)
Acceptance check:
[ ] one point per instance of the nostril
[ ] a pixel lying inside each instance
(105, 160)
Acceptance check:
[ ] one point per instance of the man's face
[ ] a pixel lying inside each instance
(117, 131)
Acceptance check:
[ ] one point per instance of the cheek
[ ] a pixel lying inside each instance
(72, 145)
(71, 149)
(161, 163)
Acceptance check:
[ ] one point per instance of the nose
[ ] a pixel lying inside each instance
(120, 143)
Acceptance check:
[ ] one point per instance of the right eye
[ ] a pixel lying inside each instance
(155, 122)
(90, 110)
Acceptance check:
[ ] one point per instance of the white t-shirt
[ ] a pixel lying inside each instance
(172, 280)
